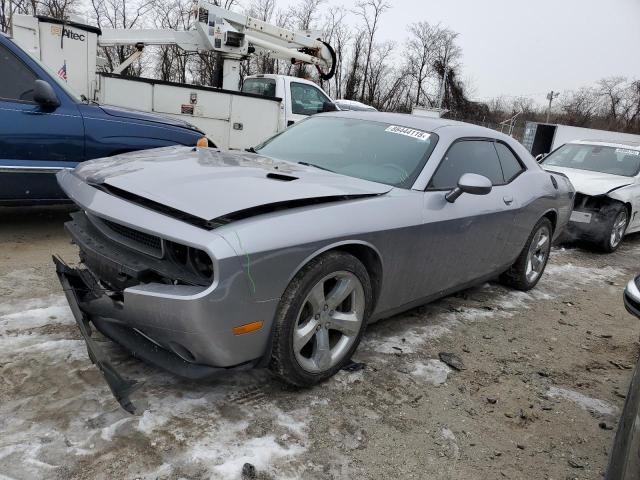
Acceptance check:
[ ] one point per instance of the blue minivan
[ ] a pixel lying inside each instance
(45, 127)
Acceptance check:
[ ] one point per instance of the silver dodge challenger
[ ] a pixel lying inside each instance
(200, 260)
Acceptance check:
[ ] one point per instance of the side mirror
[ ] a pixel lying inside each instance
(44, 95)
(540, 157)
(472, 184)
(329, 107)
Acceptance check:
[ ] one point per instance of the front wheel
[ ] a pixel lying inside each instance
(614, 230)
(321, 319)
(526, 271)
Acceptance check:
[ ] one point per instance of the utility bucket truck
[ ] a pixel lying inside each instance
(230, 117)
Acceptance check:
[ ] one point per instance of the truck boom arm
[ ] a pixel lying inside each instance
(235, 36)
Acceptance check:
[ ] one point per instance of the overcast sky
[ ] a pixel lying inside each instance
(528, 47)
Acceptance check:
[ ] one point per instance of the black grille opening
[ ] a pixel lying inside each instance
(150, 241)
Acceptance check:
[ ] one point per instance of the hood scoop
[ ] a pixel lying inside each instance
(281, 177)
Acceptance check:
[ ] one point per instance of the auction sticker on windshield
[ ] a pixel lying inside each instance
(409, 132)
(624, 151)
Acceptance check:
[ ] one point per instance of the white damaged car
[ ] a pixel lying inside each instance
(606, 176)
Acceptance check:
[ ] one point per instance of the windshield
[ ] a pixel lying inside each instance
(260, 86)
(375, 151)
(596, 158)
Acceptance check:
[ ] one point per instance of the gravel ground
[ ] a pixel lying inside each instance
(544, 378)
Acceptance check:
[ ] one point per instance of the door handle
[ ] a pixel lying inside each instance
(507, 200)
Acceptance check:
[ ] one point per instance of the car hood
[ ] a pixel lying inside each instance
(130, 113)
(210, 183)
(591, 183)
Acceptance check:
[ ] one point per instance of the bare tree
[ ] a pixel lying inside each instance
(124, 14)
(580, 106)
(60, 9)
(304, 15)
(422, 47)
(353, 80)
(370, 12)
(611, 90)
(337, 35)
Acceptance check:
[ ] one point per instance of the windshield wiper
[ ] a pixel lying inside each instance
(307, 164)
(250, 150)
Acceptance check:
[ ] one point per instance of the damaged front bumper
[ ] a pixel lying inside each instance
(86, 298)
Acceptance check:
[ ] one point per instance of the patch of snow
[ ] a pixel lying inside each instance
(59, 408)
(260, 452)
(26, 315)
(570, 275)
(434, 371)
(590, 404)
(108, 432)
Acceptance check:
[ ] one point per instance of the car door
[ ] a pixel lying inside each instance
(35, 141)
(465, 239)
(304, 100)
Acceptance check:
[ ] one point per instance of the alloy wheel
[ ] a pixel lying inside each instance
(329, 321)
(538, 253)
(618, 229)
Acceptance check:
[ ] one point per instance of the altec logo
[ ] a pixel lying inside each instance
(59, 31)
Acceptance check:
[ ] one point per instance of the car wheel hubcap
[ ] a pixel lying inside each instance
(538, 253)
(329, 321)
(619, 226)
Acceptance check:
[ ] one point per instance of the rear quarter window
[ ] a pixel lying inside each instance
(511, 166)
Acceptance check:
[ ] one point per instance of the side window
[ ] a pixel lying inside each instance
(511, 166)
(306, 99)
(467, 156)
(17, 80)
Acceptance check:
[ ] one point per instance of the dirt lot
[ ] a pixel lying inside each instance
(544, 373)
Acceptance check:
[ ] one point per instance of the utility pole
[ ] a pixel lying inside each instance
(550, 96)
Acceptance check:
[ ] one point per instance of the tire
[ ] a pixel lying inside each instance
(614, 230)
(519, 275)
(308, 310)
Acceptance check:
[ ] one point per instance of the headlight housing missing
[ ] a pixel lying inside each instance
(194, 259)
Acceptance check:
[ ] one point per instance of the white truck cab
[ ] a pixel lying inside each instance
(299, 97)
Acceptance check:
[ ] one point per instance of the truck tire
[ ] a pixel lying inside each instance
(615, 228)
(321, 318)
(527, 270)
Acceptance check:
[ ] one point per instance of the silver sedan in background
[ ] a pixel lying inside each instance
(199, 260)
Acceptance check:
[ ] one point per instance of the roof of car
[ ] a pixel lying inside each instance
(628, 144)
(426, 124)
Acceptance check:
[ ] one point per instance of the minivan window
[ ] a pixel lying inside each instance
(467, 156)
(17, 80)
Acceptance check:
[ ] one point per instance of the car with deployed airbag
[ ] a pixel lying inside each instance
(606, 176)
(201, 260)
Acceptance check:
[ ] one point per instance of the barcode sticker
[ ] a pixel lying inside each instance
(409, 132)
(624, 151)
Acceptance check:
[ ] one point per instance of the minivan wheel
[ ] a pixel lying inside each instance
(321, 319)
(527, 270)
(614, 230)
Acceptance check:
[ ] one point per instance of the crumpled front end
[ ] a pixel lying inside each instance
(156, 287)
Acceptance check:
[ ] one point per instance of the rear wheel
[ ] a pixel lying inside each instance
(321, 319)
(614, 230)
(526, 271)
